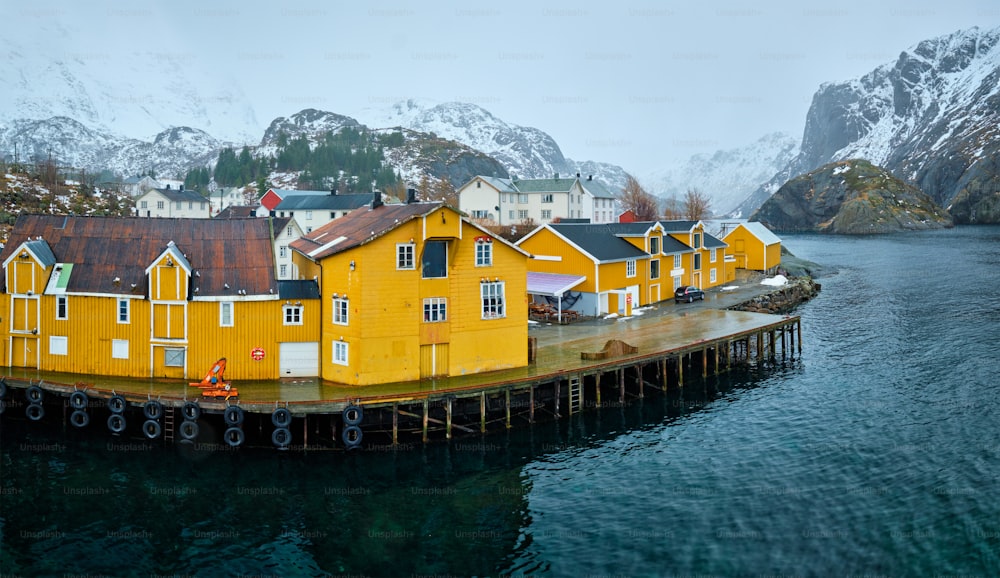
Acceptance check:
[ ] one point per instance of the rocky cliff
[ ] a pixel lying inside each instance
(850, 197)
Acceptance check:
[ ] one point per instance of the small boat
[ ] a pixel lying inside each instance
(214, 385)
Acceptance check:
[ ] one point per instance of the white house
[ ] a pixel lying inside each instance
(171, 202)
(513, 201)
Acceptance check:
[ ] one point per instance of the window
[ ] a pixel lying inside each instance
(173, 357)
(61, 307)
(630, 268)
(119, 348)
(288, 232)
(547, 214)
(522, 214)
(180, 205)
(58, 345)
(283, 272)
(435, 309)
(697, 240)
(547, 198)
(484, 254)
(511, 214)
(203, 206)
(435, 262)
(522, 198)
(309, 215)
(159, 204)
(677, 261)
(697, 262)
(492, 296)
(654, 268)
(292, 314)
(123, 311)
(711, 275)
(654, 245)
(333, 215)
(340, 310)
(404, 256)
(226, 314)
(711, 256)
(190, 205)
(309, 229)
(340, 352)
(283, 251)
(144, 204)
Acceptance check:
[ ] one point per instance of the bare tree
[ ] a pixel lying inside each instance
(672, 209)
(635, 198)
(696, 205)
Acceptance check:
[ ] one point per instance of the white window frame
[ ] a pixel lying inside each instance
(654, 250)
(494, 290)
(654, 268)
(341, 352)
(435, 309)
(341, 311)
(630, 268)
(291, 314)
(282, 250)
(547, 214)
(712, 277)
(522, 198)
(711, 256)
(62, 306)
(406, 256)
(484, 254)
(58, 345)
(696, 262)
(522, 214)
(124, 311)
(678, 262)
(547, 198)
(309, 215)
(225, 314)
(119, 349)
(697, 241)
(159, 205)
(282, 271)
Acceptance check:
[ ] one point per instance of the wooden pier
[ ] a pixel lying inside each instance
(575, 367)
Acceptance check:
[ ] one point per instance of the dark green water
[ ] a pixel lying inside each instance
(877, 453)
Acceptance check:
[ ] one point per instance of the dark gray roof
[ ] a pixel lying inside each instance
(174, 195)
(678, 226)
(596, 189)
(600, 241)
(294, 202)
(298, 289)
(671, 246)
(42, 251)
(712, 242)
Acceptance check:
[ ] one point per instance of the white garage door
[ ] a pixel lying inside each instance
(299, 359)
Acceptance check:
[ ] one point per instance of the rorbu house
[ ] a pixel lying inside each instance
(414, 290)
(138, 297)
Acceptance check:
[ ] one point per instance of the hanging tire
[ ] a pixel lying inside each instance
(233, 415)
(34, 394)
(116, 423)
(34, 411)
(281, 417)
(352, 436)
(3, 387)
(78, 400)
(281, 437)
(117, 404)
(152, 409)
(191, 410)
(234, 437)
(189, 430)
(353, 414)
(151, 428)
(79, 418)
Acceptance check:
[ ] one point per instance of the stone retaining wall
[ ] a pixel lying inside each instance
(783, 299)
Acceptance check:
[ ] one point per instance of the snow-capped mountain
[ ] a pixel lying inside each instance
(931, 117)
(726, 177)
(525, 152)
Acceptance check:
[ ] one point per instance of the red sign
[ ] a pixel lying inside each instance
(257, 353)
(628, 298)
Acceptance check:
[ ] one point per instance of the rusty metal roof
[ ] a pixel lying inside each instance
(358, 227)
(237, 253)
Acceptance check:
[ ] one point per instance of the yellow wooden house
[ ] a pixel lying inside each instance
(754, 246)
(706, 266)
(413, 291)
(618, 266)
(139, 297)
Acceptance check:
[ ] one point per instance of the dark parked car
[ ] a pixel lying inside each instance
(689, 294)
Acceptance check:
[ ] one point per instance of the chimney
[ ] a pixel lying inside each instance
(182, 186)
(590, 177)
(557, 176)
(168, 186)
(333, 191)
(577, 175)
(411, 196)
(376, 199)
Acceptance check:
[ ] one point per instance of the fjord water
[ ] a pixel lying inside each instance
(877, 452)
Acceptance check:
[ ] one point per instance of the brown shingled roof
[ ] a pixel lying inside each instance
(358, 227)
(237, 252)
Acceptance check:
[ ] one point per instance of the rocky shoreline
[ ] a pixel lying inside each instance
(783, 299)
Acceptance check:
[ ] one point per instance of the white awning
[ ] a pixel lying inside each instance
(552, 284)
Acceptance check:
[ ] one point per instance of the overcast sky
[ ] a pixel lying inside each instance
(637, 83)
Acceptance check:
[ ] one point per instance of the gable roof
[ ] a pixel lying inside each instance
(174, 195)
(763, 234)
(712, 242)
(296, 202)
(562, 185)
(678, 226)
(237, 212)
(359, 227)
(500, 184)
(237, 252)
(596, 189)
(600, 241)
